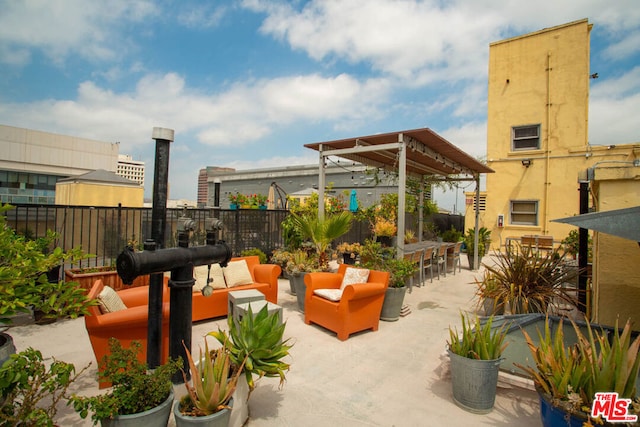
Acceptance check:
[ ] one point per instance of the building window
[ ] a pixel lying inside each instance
(524, 212)
(525, 138)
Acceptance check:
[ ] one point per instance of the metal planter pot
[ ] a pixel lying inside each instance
(474, 383)
(392, 305)
(155, 417)
(217, 419)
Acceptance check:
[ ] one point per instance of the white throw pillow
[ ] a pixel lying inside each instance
(200, 274)
(110, 301)
(330, 294)
(353, 276)
(237, 273)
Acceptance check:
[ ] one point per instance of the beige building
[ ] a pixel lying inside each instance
(99, 188)
(538, 146)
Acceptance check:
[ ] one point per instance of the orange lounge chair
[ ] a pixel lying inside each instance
(357, 309)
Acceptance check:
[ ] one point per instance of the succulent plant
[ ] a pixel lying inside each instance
(257, 341)
(213, 382)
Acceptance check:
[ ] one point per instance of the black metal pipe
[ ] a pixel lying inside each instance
(132, 264)
(163, 138)
(154, 329)
(583, 250)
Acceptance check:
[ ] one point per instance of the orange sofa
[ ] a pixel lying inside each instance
(357, 310)
(265, 280)
(125, 325)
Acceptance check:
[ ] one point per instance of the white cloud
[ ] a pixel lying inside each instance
(200, 15)
(613, 107)
(59, 28)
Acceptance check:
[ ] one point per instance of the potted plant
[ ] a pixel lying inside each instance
(257, 340)
(400, 271)
(568, 378)
(452, 235)
(469, 244)
(488, 294)
(529, 282)
(321, 232)
(475, 361)
(570, 245)
(24, 284)
(384, 229)
(30, 390)
(208, 400)
(300, 263)
(138, 395)
(349, 251)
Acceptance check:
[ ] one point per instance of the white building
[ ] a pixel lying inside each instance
(130, 169)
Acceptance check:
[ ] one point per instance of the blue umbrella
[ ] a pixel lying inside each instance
(353, 202)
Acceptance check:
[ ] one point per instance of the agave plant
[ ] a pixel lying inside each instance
(212, 382)
(573, 374)
(257, 341)
(477, 341)
(529, 282)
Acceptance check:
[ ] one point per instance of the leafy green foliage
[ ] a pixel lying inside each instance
(23, 279)
(254, 252)
(31, 390)
(257, 341)
(375, 257)
(477, 341)
(528, 281)
(322, 231)
(573, 374)
(135, 388)
(212, 382)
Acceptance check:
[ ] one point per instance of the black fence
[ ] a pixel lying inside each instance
(105, 231)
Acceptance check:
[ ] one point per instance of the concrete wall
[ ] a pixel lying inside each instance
(50, 153)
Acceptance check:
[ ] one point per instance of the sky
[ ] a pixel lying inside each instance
(245, 84)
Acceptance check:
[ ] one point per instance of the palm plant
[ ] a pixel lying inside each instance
(322, 231)
(529, 282)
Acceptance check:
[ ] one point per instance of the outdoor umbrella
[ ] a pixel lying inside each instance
(353, 202)
(271, 198)
(623, 223)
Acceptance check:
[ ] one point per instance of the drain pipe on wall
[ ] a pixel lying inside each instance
(545, 220)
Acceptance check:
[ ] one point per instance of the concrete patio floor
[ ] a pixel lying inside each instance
(397, 376)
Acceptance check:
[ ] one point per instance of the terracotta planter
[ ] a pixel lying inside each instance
(108, 276)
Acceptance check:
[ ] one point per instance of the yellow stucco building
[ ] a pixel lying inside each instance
(538, 146)
(99, 188)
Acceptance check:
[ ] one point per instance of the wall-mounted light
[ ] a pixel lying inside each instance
(526, 162)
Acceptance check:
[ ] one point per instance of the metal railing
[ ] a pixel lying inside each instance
(105, 231)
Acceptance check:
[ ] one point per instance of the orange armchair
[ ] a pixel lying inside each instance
(359, 306)
(125, 325)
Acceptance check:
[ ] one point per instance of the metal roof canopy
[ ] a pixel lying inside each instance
(416, 152)
(623, 223)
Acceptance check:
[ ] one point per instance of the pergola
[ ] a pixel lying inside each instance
(417, 153)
